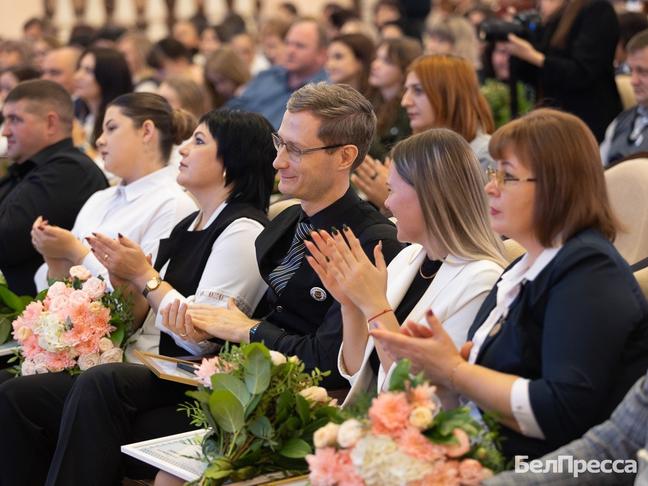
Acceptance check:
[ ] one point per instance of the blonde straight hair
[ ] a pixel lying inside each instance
(449, 184)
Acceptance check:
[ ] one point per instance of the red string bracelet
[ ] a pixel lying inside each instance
(380, 314)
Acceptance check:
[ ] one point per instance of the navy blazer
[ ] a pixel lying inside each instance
(579, 333)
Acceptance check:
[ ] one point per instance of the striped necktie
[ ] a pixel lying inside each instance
(280, 276)
(640, 124)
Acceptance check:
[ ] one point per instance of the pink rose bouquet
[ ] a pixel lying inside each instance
(404, 437)
(76, 325)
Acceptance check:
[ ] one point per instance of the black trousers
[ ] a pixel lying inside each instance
(30, 412)
(98, 411)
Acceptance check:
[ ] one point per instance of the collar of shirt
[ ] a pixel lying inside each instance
(40, 158)
(334, 215)
(508, 289)
(160, 178)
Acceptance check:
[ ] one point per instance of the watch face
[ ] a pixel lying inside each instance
(153, 284)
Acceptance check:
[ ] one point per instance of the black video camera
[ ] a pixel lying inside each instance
(524, 24)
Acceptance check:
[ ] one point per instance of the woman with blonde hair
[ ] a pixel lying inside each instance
(563, 335)
(437, 197)
(225, 75)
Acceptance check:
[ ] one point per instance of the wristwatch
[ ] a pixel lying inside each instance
(151, 285)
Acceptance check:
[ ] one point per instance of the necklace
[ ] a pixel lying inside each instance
(426, 277)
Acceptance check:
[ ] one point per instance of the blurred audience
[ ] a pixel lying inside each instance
(225, 75)
(349, 58)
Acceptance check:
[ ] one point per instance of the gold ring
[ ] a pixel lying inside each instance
(183, 335)
(105, 256)
(373, 176)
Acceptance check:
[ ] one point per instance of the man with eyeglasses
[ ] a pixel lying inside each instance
(324, 135)
(627, 135)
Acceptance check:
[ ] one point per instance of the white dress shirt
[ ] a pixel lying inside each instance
(144, 211)
(231, 271)
(508, 288)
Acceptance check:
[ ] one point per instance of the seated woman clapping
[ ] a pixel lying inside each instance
(564, 334)
(209, 256)
(437, 197)
(139, 130)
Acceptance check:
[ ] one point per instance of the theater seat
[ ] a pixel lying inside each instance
(512, 250)
(626, 93)
(627, 185)
(642, 278)
(276, 208)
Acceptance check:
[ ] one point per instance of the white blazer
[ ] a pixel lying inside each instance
(455, 295)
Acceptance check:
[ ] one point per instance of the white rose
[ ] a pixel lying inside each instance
(277, 358)
(113, 355)
(87, 361)
(105, 344)
(350, 433)
(27, 368)
(326, 436)
(315, 394)
(421, 417)
(293, 359)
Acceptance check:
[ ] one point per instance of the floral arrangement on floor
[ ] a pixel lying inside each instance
(261, 410)
(403, 437)
(78, 324)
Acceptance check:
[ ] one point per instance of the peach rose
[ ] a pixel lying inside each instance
(79, 298)
(315, 394)
(87, 361)
(57, 289)
(22, 333)
(105, 344)
(113, 355)
(421, 418)
(326, 436)
(94, 287)
(80, 272)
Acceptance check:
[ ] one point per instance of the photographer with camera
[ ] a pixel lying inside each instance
(570, 58)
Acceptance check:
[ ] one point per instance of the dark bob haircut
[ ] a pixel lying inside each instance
(244, 144)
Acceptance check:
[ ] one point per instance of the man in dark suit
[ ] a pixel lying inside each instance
(48, 177)
(324, 135)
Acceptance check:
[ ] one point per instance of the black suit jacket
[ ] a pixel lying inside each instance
(580, 78)
(579, 333)
(303, 320)
(55, 184)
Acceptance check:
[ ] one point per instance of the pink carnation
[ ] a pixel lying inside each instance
(210, 367)
(389, 414)
(423, 396)
(324, 467)
(415, 444)
(30, 316)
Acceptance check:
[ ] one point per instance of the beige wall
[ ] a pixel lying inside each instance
(14, 13)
